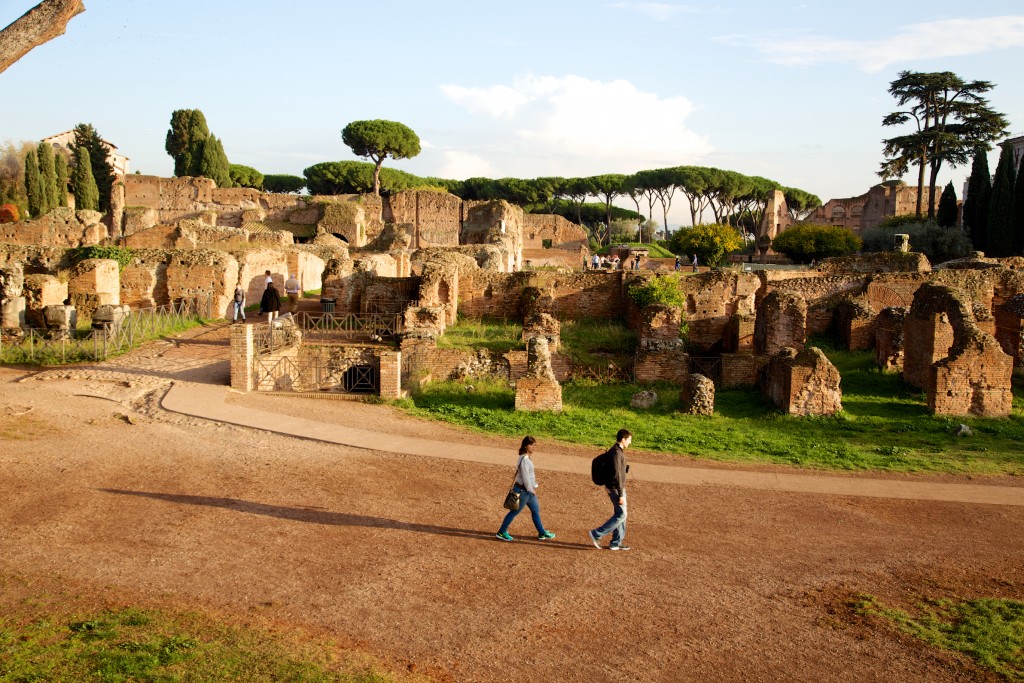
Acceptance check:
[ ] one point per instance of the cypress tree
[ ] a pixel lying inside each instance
(1018, 211)
(49, 174)
(214, 163)
(979, 188)
(34, 186)
(1000, 208)
(87, 194)
(185, 139)
(86, 136)
(60, 165)
(946, 217)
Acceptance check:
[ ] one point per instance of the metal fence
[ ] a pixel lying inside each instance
(315, 375)
(53, 347)
(329, 327)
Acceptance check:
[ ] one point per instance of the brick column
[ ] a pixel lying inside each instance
(391, 374)
(241, 357)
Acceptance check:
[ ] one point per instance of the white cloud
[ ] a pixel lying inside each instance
(929, 40)
(459, 165)
(574, 125)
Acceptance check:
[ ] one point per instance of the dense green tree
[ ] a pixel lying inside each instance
(87, 194)
(694, 182)
(979, 192)
(357, 177)
(1018, 211)
(710, 242)
(48, 174)
(946, 216)
(607, 187)
(185, 139)
(804, 242)
(213, 163)
(245, 176)
(60, 166)
(951, 119)
(34, 186)
(99, 152)
(800, 203)
(276, 182)
(999, 241)
(377, 140)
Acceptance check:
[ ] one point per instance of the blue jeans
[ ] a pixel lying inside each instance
(616, 525)
(239, 310)
(526, 499)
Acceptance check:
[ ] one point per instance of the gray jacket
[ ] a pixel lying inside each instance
(524, 474)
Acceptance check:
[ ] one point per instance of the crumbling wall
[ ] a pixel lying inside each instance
(781, 322)
(40, 291)
(560, 232)
(202, 272)
(712, 299)
(435, 217)
(803, 382)
(60, 227)
(661, 355)
(961, 367)
(93, 283)
(538, 389)
(889, 346)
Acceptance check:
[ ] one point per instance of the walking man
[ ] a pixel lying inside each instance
(616, 488)
(292, 288)
(239, 301)
(694, 262)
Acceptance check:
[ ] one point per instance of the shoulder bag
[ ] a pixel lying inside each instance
(512, 497)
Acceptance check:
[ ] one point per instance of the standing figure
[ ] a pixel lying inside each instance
(695, 263)
(239, 302)
(271, 302)
(292, 288)
(679, 263)
(526, 486)
(616, 489)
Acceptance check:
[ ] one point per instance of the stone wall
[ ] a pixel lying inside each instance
(436, 217)
(562, 233)
(781, 323)
(802, 383)
(741, 369)
(61, 227)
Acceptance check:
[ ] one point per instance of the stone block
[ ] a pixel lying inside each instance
(781, 322)
(644, 400)
(538, 393)
(697, 396)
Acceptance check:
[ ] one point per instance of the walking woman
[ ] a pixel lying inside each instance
(271, 302)
(526, 486)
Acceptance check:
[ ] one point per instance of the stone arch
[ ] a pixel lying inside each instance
(961, 367)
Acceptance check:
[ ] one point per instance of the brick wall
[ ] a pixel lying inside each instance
(741, 369)
(537, 393)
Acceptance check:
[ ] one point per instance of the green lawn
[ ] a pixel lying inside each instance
(989, 631)
(884, 425)
(653, 250)
(45, 642)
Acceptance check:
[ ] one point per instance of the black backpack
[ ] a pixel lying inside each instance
(602, 469)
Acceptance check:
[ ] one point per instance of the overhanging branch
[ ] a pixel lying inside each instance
(39, 25)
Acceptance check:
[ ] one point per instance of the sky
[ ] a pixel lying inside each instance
(792, 91)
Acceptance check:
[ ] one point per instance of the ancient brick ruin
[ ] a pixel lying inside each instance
(426, 259)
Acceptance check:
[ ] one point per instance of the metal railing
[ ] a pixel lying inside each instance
(329, 327)
(55, 347)
(314, 374)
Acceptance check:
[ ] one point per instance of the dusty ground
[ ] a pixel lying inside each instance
(105, 492)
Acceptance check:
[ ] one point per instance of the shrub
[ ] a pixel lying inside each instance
(123, 255)
(660, 289)
(8, 213)
(938, 244)
(807, 241)
(711, 243)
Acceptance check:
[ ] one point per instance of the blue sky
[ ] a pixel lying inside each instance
(793, 91)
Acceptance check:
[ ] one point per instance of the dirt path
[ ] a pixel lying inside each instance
(395, 553)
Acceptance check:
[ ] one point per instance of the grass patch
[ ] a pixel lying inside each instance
(596, 343)
(989, 631)
(885, 425)
(130, 644)
(653, 250)
(470, 334)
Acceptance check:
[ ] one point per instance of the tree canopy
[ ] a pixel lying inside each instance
(999, 235)
(87, 137)
(979, 190)
(377, 140)
(804, 242)
(184, 141)
(946, 217)
(245, 176)
(951, 120)
(277, 182)
(87, 194)
(710, 242)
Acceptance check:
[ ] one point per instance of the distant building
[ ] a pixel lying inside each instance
(63, 141)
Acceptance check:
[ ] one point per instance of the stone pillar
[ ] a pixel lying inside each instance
(391, 374)
(856, 324)
(12, 299)
(538, 389)
(241, 357)
(698, 395)
(889, 338)
(94, 282)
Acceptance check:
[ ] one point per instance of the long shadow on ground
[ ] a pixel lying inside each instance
(321, 516)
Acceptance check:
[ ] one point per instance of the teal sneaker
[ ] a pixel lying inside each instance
(505, 536)
(546, 536)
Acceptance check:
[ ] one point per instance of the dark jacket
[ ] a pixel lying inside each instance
(271, 300)
(618, 484)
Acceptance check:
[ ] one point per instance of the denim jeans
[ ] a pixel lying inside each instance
(239, 310)
(616, 525)
(526, 499)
